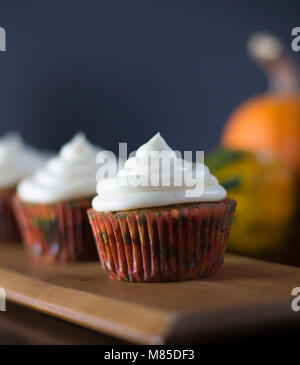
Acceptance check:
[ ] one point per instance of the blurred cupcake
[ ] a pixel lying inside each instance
(149, 230)
(51, 205)
(16, 161)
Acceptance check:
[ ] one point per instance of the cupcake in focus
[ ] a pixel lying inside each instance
(157, 231)
(51, 205)
(17, 160)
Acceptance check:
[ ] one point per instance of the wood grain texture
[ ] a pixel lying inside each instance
(246, 293)
(20, 325)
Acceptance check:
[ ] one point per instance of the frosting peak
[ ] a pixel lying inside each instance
(156, 143)
(17, 159)
(77, 149)
(70, 175)
(150, 178)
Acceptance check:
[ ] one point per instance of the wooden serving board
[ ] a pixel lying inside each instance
(246, 294)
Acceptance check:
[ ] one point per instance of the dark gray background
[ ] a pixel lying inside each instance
(122, 70)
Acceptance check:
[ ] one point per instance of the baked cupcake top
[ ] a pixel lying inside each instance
(147, 181)
(70, 175)
(17, 160)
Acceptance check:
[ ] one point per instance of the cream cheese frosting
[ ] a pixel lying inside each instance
(17, 160)
(70, 175)
(143, 182)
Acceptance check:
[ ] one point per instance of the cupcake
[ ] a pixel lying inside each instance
(149, 227)
(17, 160)
(51, 205)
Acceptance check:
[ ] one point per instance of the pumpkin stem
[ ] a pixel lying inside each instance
(282, 70)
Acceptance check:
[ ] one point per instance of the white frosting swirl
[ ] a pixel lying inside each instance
(70, 175)
(17, 160)
(122, 193)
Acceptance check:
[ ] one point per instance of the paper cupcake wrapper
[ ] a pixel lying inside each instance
(173, 243)
(56, 232)
(9, 230)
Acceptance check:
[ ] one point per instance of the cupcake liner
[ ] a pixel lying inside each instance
(9, 230)
(174, 243)
(57, 232)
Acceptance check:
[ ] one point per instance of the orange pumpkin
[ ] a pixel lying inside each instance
(269, 122)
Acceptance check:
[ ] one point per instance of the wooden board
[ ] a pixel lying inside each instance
(246, 294)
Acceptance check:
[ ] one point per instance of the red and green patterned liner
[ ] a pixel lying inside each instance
(9, 230)
(57, 232)
(174, 243)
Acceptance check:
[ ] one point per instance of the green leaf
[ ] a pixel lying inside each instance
(220, 157)
(231, 184)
